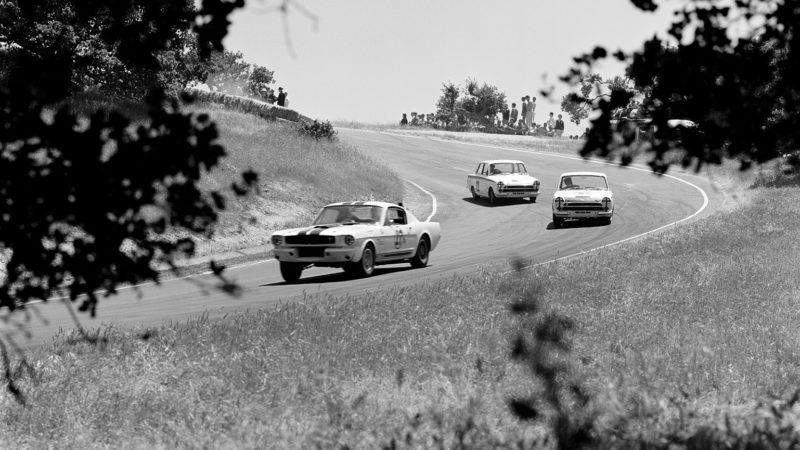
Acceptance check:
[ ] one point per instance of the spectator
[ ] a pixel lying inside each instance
(505, 114)
(524, 111)
(512, 120)
(281, 96)
(559, 126)
(404, 120)
(550, 125)
(531, 111)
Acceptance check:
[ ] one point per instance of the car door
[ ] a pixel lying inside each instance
(404, 239)
(480, 173)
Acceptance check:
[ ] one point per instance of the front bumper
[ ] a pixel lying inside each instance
(317, 255)
(573, 214)
(516, 194)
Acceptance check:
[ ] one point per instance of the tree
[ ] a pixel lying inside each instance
(228, 72)
(87, 200)
(482, 101)
(258, 82)
(446, 105)
(732, 70)
(115, 48)
(592, 89)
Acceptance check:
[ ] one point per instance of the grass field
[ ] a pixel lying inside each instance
(702, 333)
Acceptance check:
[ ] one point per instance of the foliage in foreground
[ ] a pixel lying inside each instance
(694, 349)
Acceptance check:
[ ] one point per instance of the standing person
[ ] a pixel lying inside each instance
(514, 114)
(404, 120)
(281, 96)
(559, 126)
(524, 111)
(531, 111)
(506, 114)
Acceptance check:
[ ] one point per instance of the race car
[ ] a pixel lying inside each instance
(502, 178)
(582, 196)
(356, 236)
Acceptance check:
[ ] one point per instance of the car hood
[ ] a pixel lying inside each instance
(513, 178)
(581, 194)
(334, 229)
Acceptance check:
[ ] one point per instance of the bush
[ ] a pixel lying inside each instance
(317, 130)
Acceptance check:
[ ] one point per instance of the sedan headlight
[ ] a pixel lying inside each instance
(277, 240)
(500, 186)
(607, 203)
(349, 240)
(535, 185)
(558, 202)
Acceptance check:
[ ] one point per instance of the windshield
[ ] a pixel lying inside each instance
(506, 168)
(349, 214)
(584, 182)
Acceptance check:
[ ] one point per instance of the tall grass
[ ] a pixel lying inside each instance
(674, 332)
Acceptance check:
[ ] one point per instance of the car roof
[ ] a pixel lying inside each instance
(367, 203)
(572, 174)
(495, 161)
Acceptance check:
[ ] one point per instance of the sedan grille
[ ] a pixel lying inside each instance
(310, 239)
(582, 206)
(519, 188)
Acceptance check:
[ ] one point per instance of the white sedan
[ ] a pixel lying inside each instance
(502, 178)
(583, 196)
(356, 236)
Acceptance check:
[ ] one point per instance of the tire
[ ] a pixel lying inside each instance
(605, 221)
(532, 199)
(291, 271)
(492, 199)
(422, 255)
(475, 195)
(365, 267)
(557, 222)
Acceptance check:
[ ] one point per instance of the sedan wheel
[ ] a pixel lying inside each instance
(492, 199)
(291, 271)
(420, 259)
(557, 222)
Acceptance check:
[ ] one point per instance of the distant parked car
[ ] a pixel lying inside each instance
(502, 178)
(356, 236)
(583, 196)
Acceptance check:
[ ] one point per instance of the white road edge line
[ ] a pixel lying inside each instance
(433, 200)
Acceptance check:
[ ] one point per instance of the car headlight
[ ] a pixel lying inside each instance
(349, 240)
(277, 240)
(558, 202)
(500, 185)
(535, 185)
(606, 203)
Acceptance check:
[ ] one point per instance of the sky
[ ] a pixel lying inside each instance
(370, 61)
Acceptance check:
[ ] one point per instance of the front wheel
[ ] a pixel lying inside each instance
(605, 221)
(366, 266)
(532, 199)
(492, 199)
(291, 271)
(558, 222)
(420, 259)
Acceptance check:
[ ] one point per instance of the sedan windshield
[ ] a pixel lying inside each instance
(584, 182)
(349, 214)
(506, 168)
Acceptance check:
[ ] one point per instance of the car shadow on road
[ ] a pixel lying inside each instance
(498, 203)
(340, 276)
(577, 224)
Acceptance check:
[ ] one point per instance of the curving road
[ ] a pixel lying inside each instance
(474, 234)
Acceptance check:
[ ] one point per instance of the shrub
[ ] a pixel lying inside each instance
(317, 130)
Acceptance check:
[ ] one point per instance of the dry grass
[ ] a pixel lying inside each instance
(674, 331)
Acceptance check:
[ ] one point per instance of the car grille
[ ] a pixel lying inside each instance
(582, 206)
(311, 252)
(310, 239)
(516, 189)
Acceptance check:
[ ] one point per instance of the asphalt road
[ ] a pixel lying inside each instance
(474, 234)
